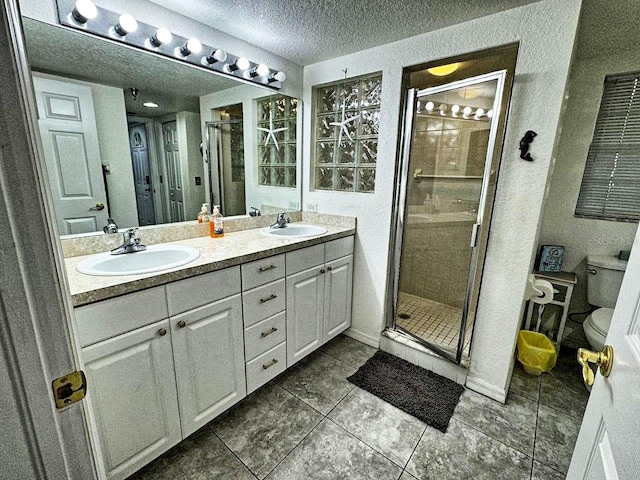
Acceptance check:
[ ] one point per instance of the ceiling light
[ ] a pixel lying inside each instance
(277, 77)
(126, 24)
(455, 108)
(150, 105)
(429, 106)
(490, 114)
(467, 110)
(479, 112)
(193, 45)
(261, 70)
(218, 55)
(161, 37)
(443, 70)
(241, 63)
(84, 11)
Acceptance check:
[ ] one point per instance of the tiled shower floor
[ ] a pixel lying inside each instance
(434, 322)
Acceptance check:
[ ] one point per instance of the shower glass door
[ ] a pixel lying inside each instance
(449, 138)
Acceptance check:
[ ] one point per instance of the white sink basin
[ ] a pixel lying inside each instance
(294, 230)
(154, 259)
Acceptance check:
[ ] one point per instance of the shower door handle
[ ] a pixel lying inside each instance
(474, 234)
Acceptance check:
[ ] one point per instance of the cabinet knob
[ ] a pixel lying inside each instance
(322, 270)
(182, 324)
(329, 268)
(162, 332)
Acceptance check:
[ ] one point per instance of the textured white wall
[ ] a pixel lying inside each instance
(583, 236)
(546, 31)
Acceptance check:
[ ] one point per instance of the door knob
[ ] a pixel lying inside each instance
(603, 359)
(99, 206)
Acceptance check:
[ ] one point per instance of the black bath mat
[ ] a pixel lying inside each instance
(425, 395)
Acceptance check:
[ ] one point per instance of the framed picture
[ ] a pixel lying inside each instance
(550, 258)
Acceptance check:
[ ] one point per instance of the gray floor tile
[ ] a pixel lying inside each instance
(407, 476)
(349, 351)
(319, 380)
(263, 428)
(564, 390)
(379, 424)
(524, 384)
(464, 452)
(555, 438)
(513, 423)
(330, 453)
(542, 472)
(202, 456)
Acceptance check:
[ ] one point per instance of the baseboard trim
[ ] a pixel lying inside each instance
(487, 389)
(363, 337)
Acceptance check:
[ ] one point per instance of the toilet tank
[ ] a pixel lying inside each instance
(604, 279)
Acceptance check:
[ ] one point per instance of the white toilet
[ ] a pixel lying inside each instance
(603, 285)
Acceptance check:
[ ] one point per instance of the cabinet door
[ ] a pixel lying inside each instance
(133, 398)
(337, 297)
(209, 360)
(305, 304)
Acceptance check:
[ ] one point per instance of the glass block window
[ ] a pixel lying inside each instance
(346, 125)
(277, 154)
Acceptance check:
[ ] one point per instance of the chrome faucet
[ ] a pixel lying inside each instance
(110, 227)
(281, 222)
(131, 243)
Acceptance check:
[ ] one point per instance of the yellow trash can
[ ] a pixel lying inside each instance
(536, 352)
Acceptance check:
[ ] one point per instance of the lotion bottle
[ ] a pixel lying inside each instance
(216, 223)
(204, 215)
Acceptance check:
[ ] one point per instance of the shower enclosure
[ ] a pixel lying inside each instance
(444, 196)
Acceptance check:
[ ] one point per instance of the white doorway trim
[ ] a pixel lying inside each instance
(35, 305)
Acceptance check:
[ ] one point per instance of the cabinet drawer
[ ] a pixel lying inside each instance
(262, 271)
(305, 258)
(338, 248)
(198, 291)
(264, 335)
(263, 302)
(106, 319)
(267, 366)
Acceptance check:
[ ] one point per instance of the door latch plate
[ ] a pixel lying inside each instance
(69, 389)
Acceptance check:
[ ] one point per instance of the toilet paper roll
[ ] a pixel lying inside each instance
(544, 292)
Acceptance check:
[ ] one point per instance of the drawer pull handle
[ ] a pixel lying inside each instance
(182, 324)
(269, 332)
(268, 299)
(270, 364)
(162, 332)
(266, 269)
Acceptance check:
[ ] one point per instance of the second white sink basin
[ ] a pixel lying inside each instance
(294, 230)
(154, 259)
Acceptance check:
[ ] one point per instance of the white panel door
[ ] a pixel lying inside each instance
(608, 445)
(133, 399)
(142, 174)
(305, 307)
(174, 171)
(337, 297)
(72, 155)
(208, 350)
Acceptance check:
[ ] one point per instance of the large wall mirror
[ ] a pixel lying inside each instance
(145, 140)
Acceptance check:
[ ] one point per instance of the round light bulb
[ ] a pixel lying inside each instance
(280, 76)
(467, 110)
(479, 112)
(429, 106)
(490, 114)
(126, 24)
(455, 108)
(161, 37)
(242, 63)
(262, 70)
(216, 56)
(84, 10)
(193, 45)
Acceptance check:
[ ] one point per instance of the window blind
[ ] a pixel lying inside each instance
(610, 187)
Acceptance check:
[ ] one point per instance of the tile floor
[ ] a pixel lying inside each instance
(311, 423)
(432, 321)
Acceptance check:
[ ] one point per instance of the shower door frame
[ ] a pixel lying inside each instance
(482, 221)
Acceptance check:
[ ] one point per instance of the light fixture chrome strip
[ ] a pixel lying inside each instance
(85, 16)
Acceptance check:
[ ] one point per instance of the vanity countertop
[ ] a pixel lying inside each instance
(215, 254)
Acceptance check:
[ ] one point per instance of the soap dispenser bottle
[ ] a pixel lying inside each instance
(216, 223)
(204, 215)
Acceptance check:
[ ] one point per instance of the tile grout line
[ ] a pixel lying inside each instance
(404, 469)
(233, 453)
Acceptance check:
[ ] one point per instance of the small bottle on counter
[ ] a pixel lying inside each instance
(204, 215)
(216, 223)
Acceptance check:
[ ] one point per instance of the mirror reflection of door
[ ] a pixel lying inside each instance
(172, 168)
(72, 155)
(142, 174)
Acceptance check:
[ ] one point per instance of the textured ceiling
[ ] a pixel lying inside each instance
(309, 31)
(608, 27)
(173, 86)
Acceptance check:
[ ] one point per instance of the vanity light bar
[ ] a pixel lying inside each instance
(85, 16)
(456, 111)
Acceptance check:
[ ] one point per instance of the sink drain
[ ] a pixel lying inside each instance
(404, 316)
